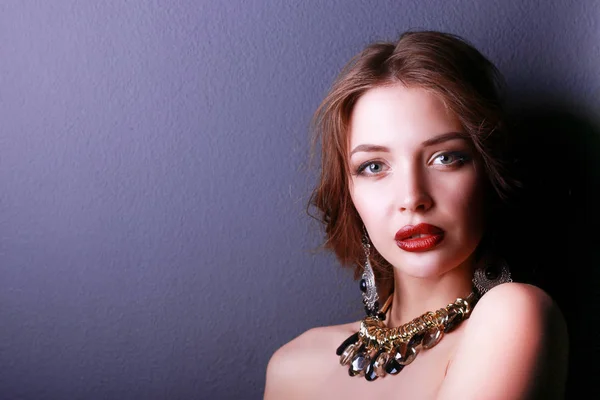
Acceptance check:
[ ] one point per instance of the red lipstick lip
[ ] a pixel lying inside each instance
(432, 236)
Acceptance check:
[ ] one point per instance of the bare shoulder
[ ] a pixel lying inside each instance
(517, 299)
(518, 308)
(305, 348)
(515, 345)
(291, 373)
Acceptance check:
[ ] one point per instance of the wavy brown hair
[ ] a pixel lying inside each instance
(445, 64)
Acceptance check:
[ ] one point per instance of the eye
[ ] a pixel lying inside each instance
(370, 168)
(450, 159)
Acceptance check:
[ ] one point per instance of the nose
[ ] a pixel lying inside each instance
(414, 195)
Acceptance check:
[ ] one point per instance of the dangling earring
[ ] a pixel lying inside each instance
(367, 283)
(490, 275)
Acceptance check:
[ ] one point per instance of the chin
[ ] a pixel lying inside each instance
(428, 264)
(423, 270)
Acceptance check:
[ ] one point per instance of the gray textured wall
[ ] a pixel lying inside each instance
(153, 238)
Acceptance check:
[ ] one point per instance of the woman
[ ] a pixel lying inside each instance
(412, 184)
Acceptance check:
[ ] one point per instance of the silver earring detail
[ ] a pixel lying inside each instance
(491, 275)
(367, 283)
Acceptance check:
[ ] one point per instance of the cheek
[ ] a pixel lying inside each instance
(361, 203)
(469, 204)
(370, 201)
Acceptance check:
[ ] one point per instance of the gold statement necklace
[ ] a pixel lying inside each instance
(376, 350)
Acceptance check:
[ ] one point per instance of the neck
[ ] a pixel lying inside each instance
(415, 296)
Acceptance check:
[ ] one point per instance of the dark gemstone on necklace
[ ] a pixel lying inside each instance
(416, 340)
(404, 354)
(491, 273)
(381, 316)
(453, 323)
(351, 339)
(370, 373)
(363, 285)
(392, 367)
(358, 364)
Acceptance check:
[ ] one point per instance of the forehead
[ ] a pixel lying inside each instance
(400, 115)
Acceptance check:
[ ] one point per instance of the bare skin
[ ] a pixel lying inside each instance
(411, 164)
(513, 347)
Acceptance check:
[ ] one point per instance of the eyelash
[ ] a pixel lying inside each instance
(460, 160)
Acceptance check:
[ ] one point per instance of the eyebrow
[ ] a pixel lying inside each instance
(444, 137)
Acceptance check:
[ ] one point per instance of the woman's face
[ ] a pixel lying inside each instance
(412, 164)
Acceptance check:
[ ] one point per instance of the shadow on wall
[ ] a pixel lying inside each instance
(553, 225)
